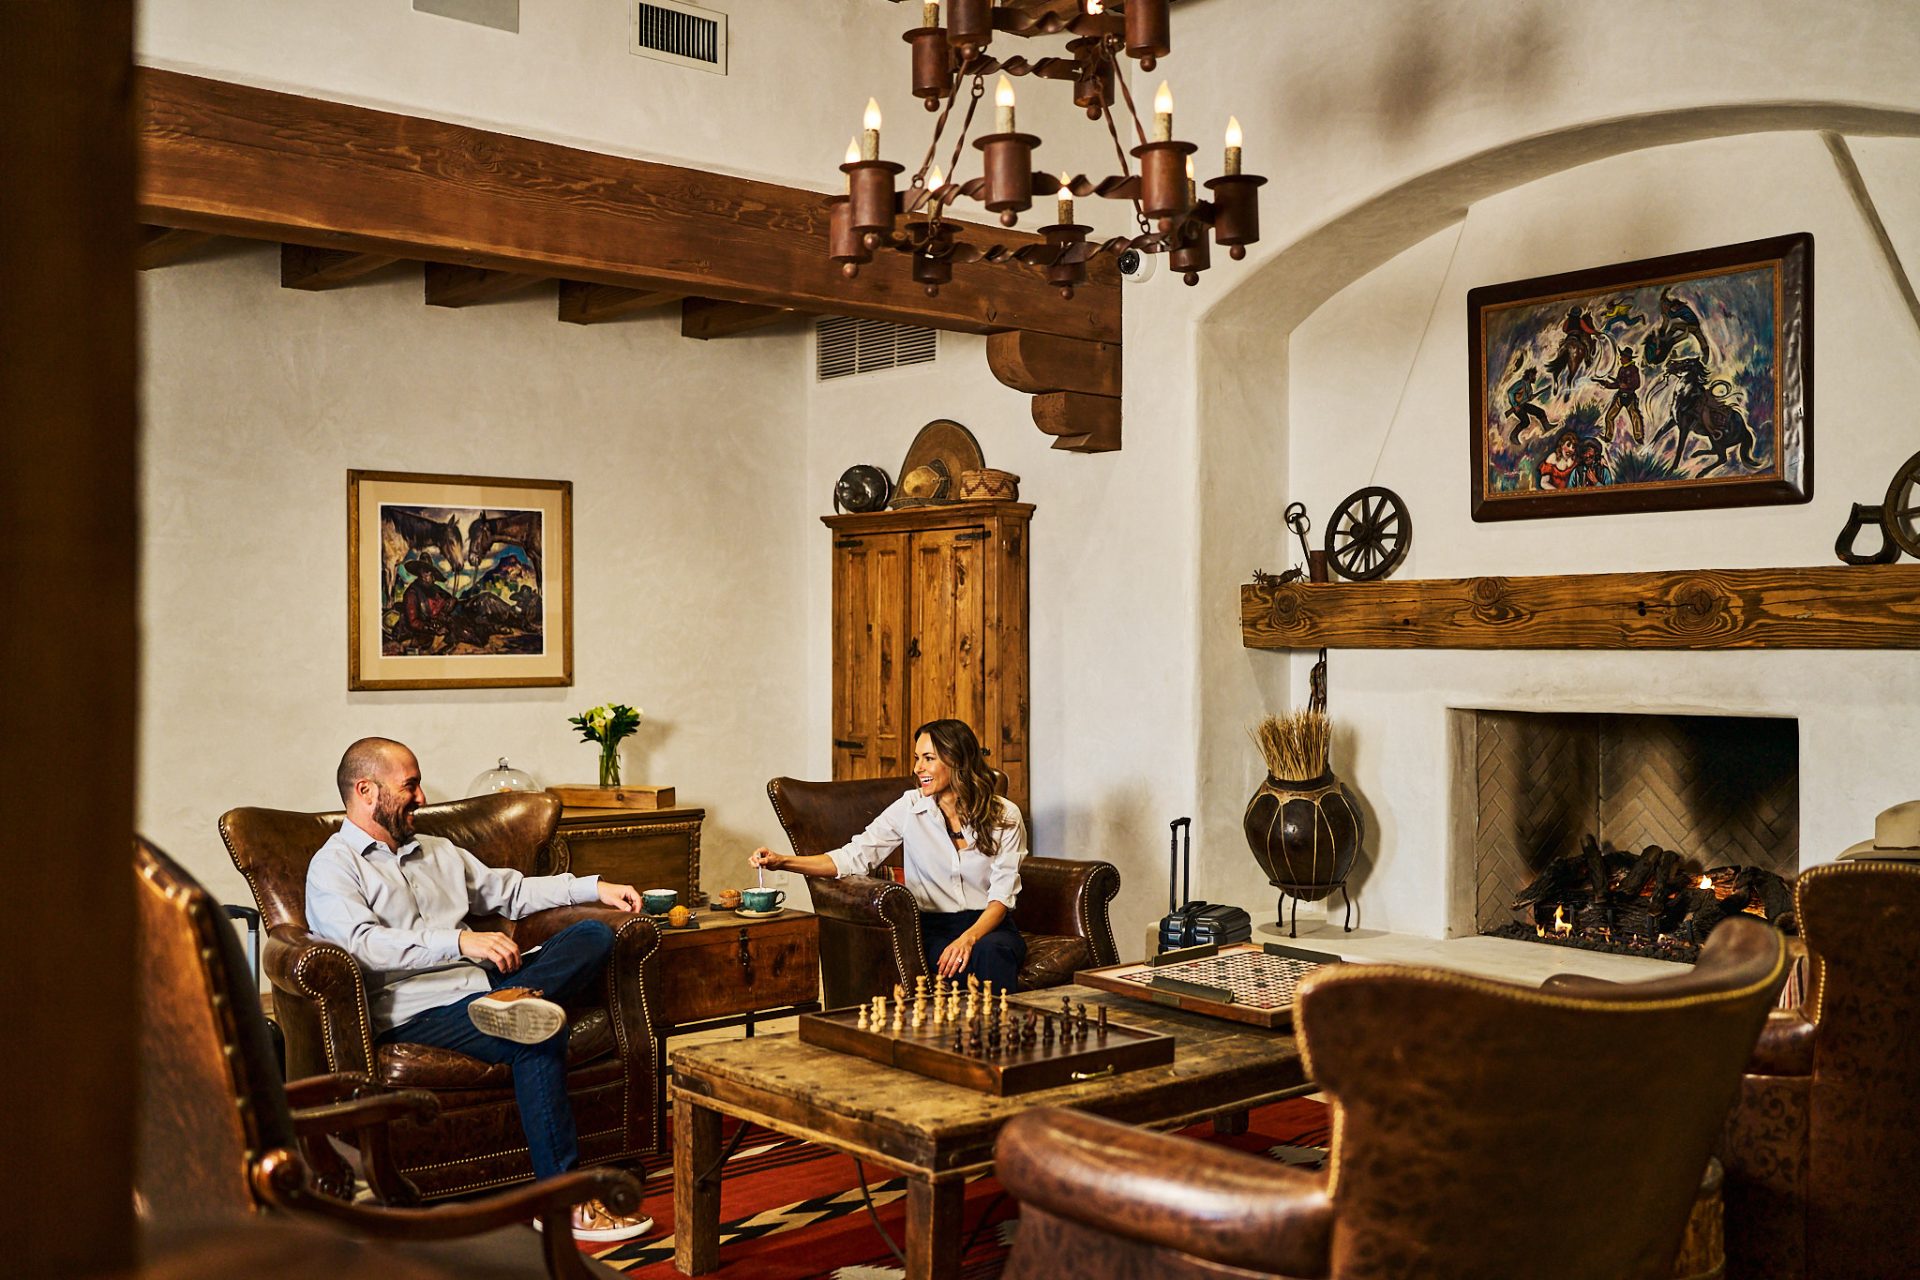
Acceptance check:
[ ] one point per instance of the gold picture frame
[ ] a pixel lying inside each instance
(427, 610)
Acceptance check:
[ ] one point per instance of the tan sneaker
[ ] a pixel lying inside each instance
(593, 1221)
(517, 1014)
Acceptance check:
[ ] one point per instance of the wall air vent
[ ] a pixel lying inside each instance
(676, 31)
(847, 345)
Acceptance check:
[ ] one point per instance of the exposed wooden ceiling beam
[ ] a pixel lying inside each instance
(164, 246)
(582, 303)
(304, 267)
(231, 159)
(1038, 363)
(448, 285)
(711, 318)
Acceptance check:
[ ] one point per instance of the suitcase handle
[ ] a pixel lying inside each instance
(1176, 828)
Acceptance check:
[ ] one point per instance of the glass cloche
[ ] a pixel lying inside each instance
(502, 777)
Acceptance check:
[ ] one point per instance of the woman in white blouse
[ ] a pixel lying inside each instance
(963, 847)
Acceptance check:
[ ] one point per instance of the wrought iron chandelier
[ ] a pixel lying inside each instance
(1171, 217)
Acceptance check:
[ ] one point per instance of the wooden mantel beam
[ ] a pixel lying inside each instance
(235, 160)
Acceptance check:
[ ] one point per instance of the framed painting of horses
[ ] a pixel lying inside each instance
(1661, 385)
(458, 582)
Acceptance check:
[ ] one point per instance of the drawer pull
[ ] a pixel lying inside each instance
(1080, 1076)
(746, 959)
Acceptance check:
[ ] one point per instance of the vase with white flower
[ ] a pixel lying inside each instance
(607, 725)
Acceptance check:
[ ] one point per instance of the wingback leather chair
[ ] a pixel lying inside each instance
(1479, 1129)
(1822, 1151)
(870, 927)
(320, 1000)
(218, 1140)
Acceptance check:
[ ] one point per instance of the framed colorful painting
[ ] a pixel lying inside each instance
(458, 582)
(1660, 385)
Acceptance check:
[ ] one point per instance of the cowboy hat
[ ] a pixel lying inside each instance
(1896, 834)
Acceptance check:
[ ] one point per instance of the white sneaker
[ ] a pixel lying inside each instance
(517, 1014)
(597, 1224)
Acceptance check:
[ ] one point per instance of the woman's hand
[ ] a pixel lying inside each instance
(954, 959)
(765, 857)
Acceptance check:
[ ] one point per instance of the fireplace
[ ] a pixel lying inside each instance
(1644, 830)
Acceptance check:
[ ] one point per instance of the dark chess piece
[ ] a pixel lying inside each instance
(1080, 1025)
(1046, 1030)
(1103, 1022)
(956, 1040)
(1066, 1007)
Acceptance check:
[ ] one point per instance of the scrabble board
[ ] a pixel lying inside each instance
(1068, 1057)
(1245, 982)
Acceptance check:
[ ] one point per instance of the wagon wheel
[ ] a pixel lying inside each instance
(1369, 533)
(1901, 511)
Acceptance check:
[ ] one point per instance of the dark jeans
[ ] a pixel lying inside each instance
(569, 961)
(996, 958)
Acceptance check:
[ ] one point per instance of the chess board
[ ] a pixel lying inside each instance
(1015, 1068)
(1245, 982)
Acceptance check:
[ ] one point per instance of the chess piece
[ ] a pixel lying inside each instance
(1103, 1022)
(920, 987)
(860, 1023)
(899, 994)
(879, 1012)
(1004, 1007)
(1081, 1034)
(956, 1038)
(1046, 1030)
(898, 1008)
(919, 1013)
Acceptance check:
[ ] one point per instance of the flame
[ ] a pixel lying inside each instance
(1706, 882)
(853, 151)
(1163, 100)
(935, 179)
(1096, 7)
(872, 118)
(1003, 96)
(1234, 136)
(1561, 925)
(1189, 168)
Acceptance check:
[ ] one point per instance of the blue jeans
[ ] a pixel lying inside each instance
(569, 961)
(996, 958)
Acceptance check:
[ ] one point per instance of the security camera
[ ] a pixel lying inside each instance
(1136, 267)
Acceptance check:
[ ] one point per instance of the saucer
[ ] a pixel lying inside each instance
(746, 914)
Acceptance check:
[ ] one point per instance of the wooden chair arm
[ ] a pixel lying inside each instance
(279, 1179)
(364, 1113)
(1219, 1205)
(318, 1091)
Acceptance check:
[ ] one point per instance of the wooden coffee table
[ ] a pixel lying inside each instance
(936, 1134)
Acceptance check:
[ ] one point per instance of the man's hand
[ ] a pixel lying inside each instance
(765, 857)
(496, 949)
(623, 896)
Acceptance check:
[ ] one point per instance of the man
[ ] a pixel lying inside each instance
(1625, 384)
(398, 903)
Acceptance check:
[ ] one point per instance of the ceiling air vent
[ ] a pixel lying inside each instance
(846, 345)
(675, 31)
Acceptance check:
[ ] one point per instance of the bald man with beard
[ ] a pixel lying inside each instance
(398, 902)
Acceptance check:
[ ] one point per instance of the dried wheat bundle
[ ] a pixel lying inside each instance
(1294, 745)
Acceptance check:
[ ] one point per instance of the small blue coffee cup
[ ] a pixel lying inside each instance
(659, 901)
(762, 899)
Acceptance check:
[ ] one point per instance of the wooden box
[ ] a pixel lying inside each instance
(582, 796)
(728, 966)
(1024, 1069)
(657, 849)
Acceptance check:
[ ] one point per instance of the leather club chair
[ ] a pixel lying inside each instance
(1822, 1151)
(870, 927)
(320, 1001)
(220, 1140)
(1480, 1129)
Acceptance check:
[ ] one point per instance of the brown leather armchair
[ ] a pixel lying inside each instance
(218, 1140)
(320, 1001)
(1479, 1129)
(1822, 1151)
(870, 928)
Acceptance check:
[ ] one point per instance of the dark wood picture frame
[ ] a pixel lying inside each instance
(1721, 342)
(447, 651)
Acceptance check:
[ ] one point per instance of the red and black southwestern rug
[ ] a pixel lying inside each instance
(793, 1211)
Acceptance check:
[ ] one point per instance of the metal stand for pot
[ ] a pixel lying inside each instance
(1293, 891)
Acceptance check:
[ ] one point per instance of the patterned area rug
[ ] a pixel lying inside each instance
(793, 1211)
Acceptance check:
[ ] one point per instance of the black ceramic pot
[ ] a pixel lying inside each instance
(1305, 835)
(862, 488)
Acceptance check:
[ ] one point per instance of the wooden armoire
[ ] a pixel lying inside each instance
(930, 621)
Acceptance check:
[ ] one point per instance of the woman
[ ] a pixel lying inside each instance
(963, 849)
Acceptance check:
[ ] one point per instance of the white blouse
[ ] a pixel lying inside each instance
(940, 876)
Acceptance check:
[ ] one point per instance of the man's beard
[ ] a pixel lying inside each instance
(395, 813)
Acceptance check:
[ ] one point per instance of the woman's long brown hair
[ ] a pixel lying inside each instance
(959, 750)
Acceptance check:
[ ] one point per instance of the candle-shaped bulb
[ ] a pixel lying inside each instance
(1234, 140)
(935, 178)
(1066, 203)
(930, 13)
(1190, 181)
(853, 151)
(1003, 106)
(1163, 113)
(870, 147)
(1096, 7)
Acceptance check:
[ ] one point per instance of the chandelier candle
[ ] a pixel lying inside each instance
(1234, 139)
(1162, 113)
(1003, 107)
(930, 13)
(870, 146)
(1065, 215)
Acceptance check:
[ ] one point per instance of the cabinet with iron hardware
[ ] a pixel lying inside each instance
(929, 621)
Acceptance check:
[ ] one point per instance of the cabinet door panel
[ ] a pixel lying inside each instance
(869, 668)
(947, 670)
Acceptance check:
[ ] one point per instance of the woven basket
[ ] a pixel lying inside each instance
(987, 483)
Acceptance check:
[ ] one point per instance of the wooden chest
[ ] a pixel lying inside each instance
(729, 966)
(656, 849)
